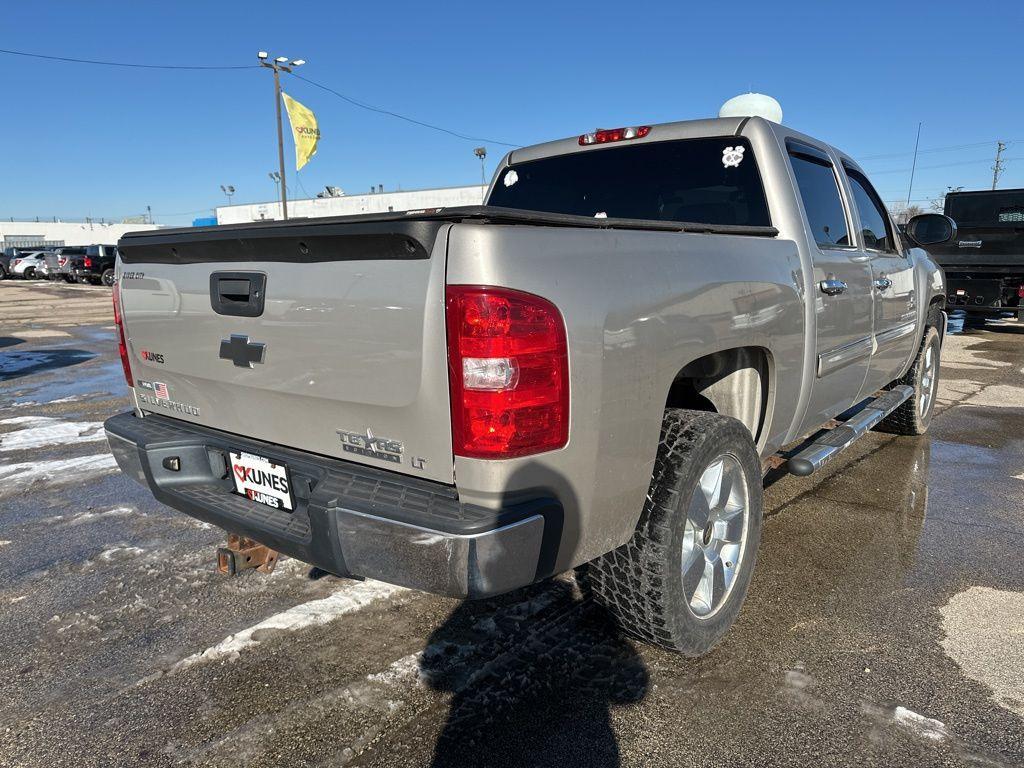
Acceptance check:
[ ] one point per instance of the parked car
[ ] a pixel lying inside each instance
(8, 257)
(64, 270)
(592, 371)
(95, 266)
(25, 265)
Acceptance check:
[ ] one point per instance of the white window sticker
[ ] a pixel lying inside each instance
(601, 215)
(732, 156)
(511, 178)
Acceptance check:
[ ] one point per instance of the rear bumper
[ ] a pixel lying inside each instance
(349, 520)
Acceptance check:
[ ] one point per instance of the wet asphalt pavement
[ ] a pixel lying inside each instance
(884, 626)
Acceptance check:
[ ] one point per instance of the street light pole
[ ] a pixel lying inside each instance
(279, 64)
(481, 152)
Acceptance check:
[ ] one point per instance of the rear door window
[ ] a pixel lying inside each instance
(705, 181)
(875, 226)
(819, 190)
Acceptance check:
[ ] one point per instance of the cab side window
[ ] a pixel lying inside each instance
(819, 190)
(874, 221)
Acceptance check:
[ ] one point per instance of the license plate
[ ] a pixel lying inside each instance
(261, 480)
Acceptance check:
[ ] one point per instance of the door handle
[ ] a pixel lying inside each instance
(882, 283)
(832, 287)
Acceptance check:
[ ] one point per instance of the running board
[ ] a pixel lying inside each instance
(826, 445)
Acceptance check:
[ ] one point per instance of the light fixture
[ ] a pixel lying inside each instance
(298, 62)
(281, 59)
(262, 55)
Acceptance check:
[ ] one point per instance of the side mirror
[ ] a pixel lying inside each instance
(931, 229)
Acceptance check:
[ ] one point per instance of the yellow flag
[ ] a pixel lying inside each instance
(304, 130)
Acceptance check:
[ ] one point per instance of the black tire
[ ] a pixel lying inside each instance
(642, 583)
(29, 273)
(3, 273)
(914, 415)
(108, 278)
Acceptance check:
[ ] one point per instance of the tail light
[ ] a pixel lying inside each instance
(15, 262)
(62, 260)
(508, 371)
(122, 345)
(606, 135)
(87, 262)
(1020, 292)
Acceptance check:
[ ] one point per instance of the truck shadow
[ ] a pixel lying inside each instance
(533, 674)
(533, 678)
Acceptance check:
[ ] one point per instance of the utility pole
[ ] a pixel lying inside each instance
(998, 167)
(279, 65)
(913, 166)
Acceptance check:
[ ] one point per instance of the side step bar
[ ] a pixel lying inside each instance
(827, 444)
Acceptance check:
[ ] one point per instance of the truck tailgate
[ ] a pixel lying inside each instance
(353, 362)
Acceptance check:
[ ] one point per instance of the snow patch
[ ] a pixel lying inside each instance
(926, 727)
(82, 517)
(406, 668)
(314, 613)
(57, 471)
(120, 553)
(40, 431)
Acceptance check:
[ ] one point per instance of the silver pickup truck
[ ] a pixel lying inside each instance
(594, 370)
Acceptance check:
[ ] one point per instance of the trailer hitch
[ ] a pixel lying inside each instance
(243, 553)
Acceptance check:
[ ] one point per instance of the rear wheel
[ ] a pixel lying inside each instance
(3, 272)
(108, 278)
(29, 273)
(682, 578)
(914, 415)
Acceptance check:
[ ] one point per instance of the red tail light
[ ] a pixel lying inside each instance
(508, 371)
(87, 262)
(1020, 292)
(122, 345)
(62, 260)
(606, 135)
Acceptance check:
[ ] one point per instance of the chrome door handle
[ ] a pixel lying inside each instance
(832, 287)
(882, 283)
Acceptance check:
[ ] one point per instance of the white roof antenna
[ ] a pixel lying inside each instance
(752, 105)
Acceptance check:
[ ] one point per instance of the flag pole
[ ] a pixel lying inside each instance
(279, 64)
(280, 140)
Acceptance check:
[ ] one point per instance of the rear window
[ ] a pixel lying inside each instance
(705, 181)
(987, 209)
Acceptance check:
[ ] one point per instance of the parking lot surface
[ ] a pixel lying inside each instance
(884, 626)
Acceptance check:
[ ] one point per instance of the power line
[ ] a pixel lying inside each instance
(950, 148)
(382, 111)
(940, 165)
(70, 60)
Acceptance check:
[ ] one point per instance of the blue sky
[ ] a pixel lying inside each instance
(103, 141)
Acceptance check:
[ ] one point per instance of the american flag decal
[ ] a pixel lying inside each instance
(161, 390)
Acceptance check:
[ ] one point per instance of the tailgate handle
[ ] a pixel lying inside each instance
(240, 294)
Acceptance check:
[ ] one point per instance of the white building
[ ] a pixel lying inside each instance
(347, 205)
(30, 234)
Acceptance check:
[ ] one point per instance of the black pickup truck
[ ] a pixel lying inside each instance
(985, 264)
(95, 266)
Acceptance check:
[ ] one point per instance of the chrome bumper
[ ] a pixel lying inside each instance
(349, 520)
